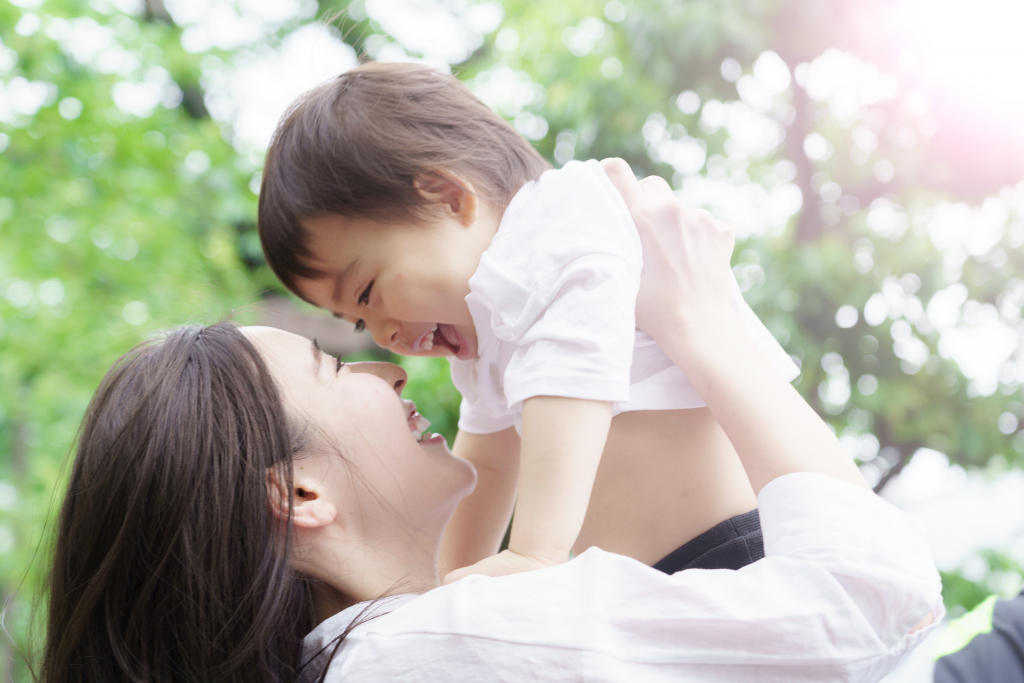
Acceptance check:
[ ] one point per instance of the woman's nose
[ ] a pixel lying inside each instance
(389, 372)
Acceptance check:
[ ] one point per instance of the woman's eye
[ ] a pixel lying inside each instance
(364, 298)
(360, 325)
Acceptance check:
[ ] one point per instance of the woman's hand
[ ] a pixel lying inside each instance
(684, 303)
(686, 277)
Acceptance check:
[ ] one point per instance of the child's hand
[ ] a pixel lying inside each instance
(686, 276)
(505, 562)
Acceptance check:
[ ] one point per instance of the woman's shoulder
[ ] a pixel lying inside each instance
(477, 626)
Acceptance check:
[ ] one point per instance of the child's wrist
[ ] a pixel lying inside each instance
(549, 557)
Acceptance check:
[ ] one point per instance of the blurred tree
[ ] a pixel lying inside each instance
(719, 91)
(871, 245)
(117, 214)
(882, 234)
(879, 274)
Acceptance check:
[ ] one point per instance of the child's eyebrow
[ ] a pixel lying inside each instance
(339, 279)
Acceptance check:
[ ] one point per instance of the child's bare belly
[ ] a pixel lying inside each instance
(665, 477)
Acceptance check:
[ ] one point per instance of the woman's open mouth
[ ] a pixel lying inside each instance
(418, 425)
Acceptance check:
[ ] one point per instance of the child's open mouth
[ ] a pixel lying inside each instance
(441, 335)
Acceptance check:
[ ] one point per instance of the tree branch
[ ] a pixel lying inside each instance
(156, 11)
(904, 449)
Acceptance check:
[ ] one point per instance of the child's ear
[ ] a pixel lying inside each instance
(451, 191)
(309, 507)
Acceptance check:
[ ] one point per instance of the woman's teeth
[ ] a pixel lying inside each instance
(419, 425)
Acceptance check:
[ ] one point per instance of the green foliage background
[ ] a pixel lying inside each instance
(114, 226)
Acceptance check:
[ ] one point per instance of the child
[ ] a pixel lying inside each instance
(394, 198)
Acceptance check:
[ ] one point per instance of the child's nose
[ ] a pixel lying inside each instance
(386, 334)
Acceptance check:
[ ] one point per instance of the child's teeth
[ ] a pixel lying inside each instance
(426, 341)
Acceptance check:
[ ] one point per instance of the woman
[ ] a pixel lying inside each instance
(235, 491)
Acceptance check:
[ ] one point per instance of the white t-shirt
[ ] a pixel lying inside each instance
(553, 303)
(845, 578)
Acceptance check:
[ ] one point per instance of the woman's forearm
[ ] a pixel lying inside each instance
(770, 425)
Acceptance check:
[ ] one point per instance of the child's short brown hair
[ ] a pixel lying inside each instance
(354, 145)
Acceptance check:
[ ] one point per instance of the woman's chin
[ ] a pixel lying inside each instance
(434, 439)
(457, 470)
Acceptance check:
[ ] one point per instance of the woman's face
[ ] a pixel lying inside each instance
(381, 477)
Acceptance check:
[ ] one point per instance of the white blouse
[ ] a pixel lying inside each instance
(553, 302)
(845, 579)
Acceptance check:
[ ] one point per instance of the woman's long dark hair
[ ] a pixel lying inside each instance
(168, 564)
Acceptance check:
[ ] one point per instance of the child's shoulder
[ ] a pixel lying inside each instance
(581, 185)
(568, 202)
(567, 215)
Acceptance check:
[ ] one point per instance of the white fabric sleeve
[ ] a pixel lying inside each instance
(846, 578)
(483, 409)
(476, 418)
(576, 339)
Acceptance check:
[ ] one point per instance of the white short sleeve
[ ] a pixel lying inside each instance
(560, 281)
(574, 335)
(553, 302)
(484, 409)
(475, 418)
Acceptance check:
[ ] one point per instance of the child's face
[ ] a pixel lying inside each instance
(405, 282)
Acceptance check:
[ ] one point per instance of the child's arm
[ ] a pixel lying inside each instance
(479, 523)
(563, 439)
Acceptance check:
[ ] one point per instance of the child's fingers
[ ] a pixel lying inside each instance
(452, 577)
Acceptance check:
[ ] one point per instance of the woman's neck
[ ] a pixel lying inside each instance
(351, 573)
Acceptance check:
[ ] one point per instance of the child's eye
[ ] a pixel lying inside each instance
(360, 325)
(364, 298)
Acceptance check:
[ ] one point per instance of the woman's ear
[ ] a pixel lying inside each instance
(454, 192)
(310, 509)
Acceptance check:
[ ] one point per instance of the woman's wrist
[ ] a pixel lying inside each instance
(681, 328)
(705, 345)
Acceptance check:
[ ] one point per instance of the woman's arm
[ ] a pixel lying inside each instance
(684, 304)
(846, 578)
